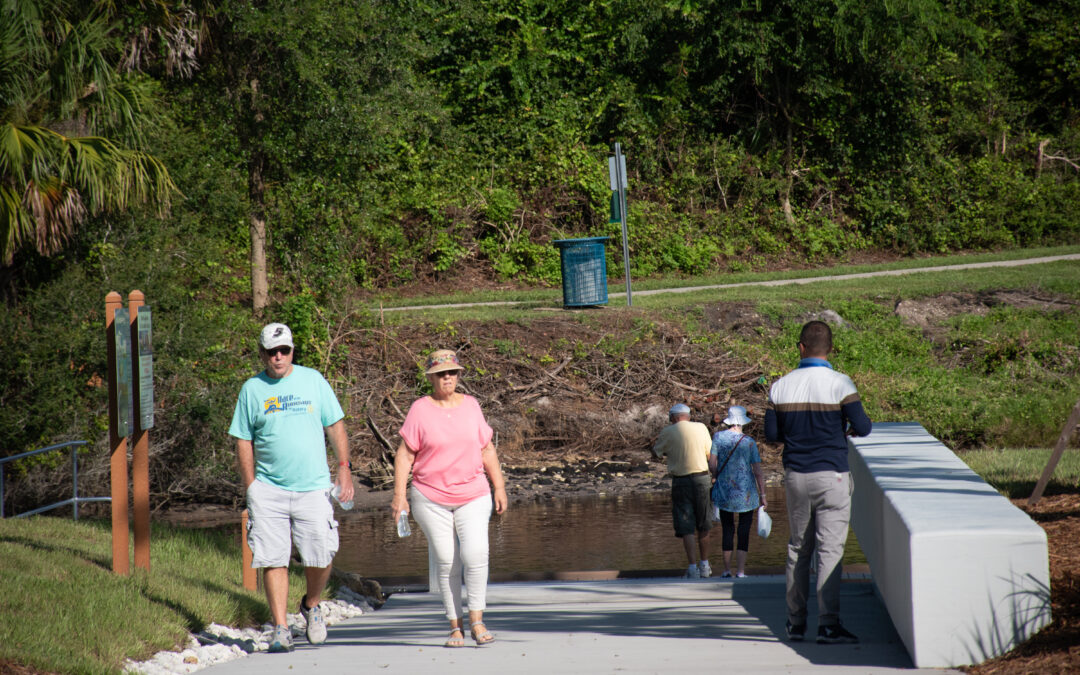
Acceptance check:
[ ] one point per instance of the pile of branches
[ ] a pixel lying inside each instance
(555, 390)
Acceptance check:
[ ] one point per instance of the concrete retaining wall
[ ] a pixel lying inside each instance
(964, 573)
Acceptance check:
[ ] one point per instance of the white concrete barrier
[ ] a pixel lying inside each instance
(964, 573)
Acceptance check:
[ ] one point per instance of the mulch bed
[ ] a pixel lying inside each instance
(1056, 648)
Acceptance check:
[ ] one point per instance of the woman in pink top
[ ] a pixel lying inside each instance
(446, 446)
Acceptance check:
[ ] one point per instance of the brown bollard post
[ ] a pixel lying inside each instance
(140, 449)
(118, 447)
(249, 576)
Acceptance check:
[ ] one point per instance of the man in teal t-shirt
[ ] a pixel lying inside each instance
(279, 424)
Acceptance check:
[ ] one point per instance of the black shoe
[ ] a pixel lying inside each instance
(796, 633)
(830, 635)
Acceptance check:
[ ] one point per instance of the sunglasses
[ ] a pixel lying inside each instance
(284, 351)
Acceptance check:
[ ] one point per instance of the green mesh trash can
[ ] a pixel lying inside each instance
(584, 271)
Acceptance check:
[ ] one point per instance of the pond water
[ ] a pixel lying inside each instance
(630, 533)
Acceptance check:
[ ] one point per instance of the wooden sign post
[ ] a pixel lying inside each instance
(140, 441)
(249, 574)
(117, 440)
(130, 413)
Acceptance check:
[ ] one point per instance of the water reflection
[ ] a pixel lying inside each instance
(628, 532)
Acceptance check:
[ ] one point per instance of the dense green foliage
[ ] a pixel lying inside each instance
(392, 143)
(401, 142)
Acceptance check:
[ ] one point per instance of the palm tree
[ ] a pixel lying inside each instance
(73, 110)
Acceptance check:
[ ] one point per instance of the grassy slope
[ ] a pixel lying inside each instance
(1006, 377)
(65, 611)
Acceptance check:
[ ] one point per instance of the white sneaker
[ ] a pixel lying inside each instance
(693, 572)
(705, 569)
(280, 640)
(316, 622)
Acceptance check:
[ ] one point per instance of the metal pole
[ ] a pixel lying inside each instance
(75, 481)
(620, 182)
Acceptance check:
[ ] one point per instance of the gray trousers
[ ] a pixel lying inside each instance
(819, 510)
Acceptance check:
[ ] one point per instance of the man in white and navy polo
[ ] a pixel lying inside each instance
(812, 410)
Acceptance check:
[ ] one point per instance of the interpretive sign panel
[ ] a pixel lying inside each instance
(146, 369)
(122, 331)
(617, 174)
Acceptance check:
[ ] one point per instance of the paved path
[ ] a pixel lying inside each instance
(620, 626)
(777, 282)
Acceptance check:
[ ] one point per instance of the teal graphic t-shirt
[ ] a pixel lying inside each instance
(284, 419)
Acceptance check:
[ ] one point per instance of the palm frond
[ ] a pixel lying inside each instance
(71, 123)
(16, 224)
(52, 181)
(79, 67)
(25, 151)
(56, 210)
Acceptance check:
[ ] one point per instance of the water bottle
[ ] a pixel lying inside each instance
(403, 529)
(334, 492)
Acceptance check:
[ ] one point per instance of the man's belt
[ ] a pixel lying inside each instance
(691, 475)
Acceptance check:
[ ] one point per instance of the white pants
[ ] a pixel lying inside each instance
(458, 537)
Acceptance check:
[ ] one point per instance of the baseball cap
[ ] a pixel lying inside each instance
(275, 335)
(679, 409)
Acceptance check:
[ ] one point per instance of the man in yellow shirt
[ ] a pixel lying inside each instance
(687, 445)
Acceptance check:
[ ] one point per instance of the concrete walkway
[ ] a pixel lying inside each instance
(619, 626)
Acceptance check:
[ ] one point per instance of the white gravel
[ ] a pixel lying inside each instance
(218, 644)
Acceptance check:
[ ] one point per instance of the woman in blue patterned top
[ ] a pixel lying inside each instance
(739, 486)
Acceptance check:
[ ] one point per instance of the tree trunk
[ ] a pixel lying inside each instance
(257, 226)
(789, 175)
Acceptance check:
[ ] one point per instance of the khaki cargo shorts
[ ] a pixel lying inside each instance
(279, 519)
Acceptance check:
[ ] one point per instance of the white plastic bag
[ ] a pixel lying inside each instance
(764, 523)
(714, 513)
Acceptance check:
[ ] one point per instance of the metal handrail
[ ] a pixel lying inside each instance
(75, 498)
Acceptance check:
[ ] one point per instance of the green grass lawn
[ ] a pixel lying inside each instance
(65, 610)
(1014, 472)
(552, 297)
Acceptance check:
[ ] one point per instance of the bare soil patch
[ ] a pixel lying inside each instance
(930, 312)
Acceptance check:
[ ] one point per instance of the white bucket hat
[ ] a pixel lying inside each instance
(736, 415)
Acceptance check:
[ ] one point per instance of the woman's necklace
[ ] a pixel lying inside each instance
(447, 404)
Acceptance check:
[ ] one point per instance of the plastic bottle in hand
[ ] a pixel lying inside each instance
(334, 492)
(403, 529)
